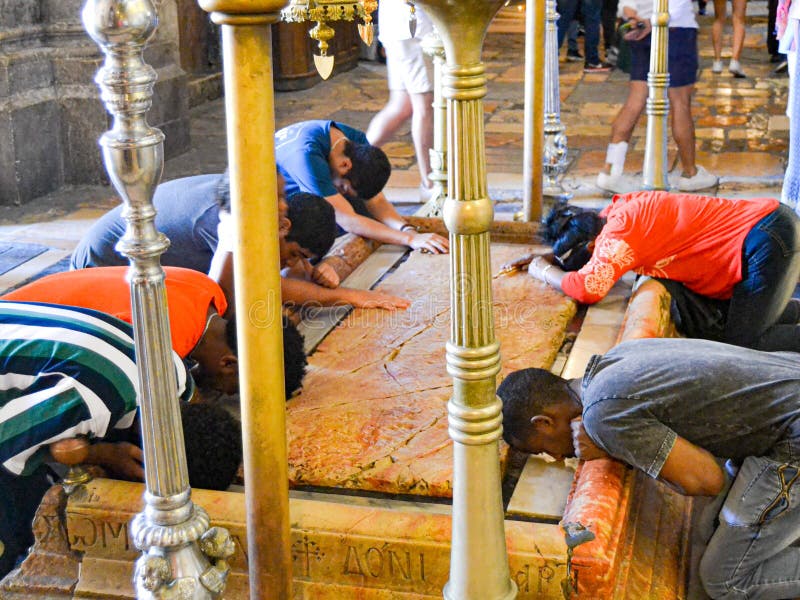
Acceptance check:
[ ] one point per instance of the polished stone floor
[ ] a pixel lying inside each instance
(742, 133)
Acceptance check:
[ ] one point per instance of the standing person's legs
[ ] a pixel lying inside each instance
(566, 10)
(609, 25)
(770, 270)
(751, 554)
(422, 133)
(410, 95)
(591, 27)
(680, 102)
(720, 13)
(389, 119)
(737, 18)
(772, 39)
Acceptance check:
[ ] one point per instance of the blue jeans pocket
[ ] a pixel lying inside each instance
(762, 492)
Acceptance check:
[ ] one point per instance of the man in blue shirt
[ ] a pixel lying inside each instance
(337, 162)
(671, 408)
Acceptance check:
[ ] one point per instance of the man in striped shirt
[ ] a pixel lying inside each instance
(67, 372)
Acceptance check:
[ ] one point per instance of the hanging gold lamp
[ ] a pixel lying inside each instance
(323, 12)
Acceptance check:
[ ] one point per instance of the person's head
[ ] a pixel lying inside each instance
(313, 227)
(359, 169)
(572, 231)
(213, 440)
(537, 409)
(217, 359)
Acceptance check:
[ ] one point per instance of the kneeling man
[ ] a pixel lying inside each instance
(672, 408)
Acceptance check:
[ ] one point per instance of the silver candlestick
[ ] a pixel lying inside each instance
(554, 160)
(171, 529)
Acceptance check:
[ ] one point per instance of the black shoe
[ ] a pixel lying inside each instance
(574, 56)
(776, 58)
(601, 67)
(781, 68)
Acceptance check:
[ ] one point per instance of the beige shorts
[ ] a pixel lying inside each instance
(408, 67)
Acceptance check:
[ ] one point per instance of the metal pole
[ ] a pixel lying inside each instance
(432, 46)
(168, 530)
(535, 79)
(478, 557)
(554, 162)
(250, 117)
(655, 154)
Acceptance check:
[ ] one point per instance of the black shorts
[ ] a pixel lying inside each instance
(682, 59)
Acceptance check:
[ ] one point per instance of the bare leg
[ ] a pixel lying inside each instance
(625, 122)
(388, 120)
(422, 133)
(680, 101)
(720, 13)
(737, 18)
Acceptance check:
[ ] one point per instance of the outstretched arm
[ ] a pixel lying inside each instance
(300, 293)
(350, 221)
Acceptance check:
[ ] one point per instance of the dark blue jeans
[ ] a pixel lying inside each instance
(760, 315)
(591, 25)
(19, 498)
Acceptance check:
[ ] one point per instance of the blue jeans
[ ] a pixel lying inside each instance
(753, 553)
(758, 311)
(591, 25)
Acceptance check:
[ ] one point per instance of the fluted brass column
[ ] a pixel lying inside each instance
(478, 559)
(250, 117)
(169, 529)
(554, 162)
(655, 154)
(432, 46)
(535, 91)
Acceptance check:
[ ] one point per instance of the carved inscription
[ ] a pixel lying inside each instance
(385, 562)
(86, 534)
(304, 551)
(50, 526)
(540, 580)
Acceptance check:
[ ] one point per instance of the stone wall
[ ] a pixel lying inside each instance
(50, 110)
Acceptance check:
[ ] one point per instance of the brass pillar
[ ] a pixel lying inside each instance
(478, 558)
(655, 154)
(535, 80)
(171, 528)
(554, 162)
(250, 117)
(432, 46)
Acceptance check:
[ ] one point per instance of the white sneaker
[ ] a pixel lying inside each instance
(700, 181)
(736, 70)
(612, 183)
(716, 66)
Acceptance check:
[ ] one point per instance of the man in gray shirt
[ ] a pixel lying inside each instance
(671, 408)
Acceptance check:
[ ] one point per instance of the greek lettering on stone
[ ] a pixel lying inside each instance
(82, 532)
(384, 562)
(52, 525)
(120, 533)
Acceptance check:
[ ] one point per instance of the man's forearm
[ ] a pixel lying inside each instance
(374, 230)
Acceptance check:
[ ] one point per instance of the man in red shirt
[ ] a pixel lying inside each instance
(740, 258)
(196, 304)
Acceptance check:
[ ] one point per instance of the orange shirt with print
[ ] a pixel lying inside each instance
(696, 240)
(190, 295)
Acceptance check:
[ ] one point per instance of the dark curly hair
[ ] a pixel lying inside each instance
(213, 440)
(294, 357)
(526, 393)
(313, 223)
(294, 354)
(370, 170)
(570, 229)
